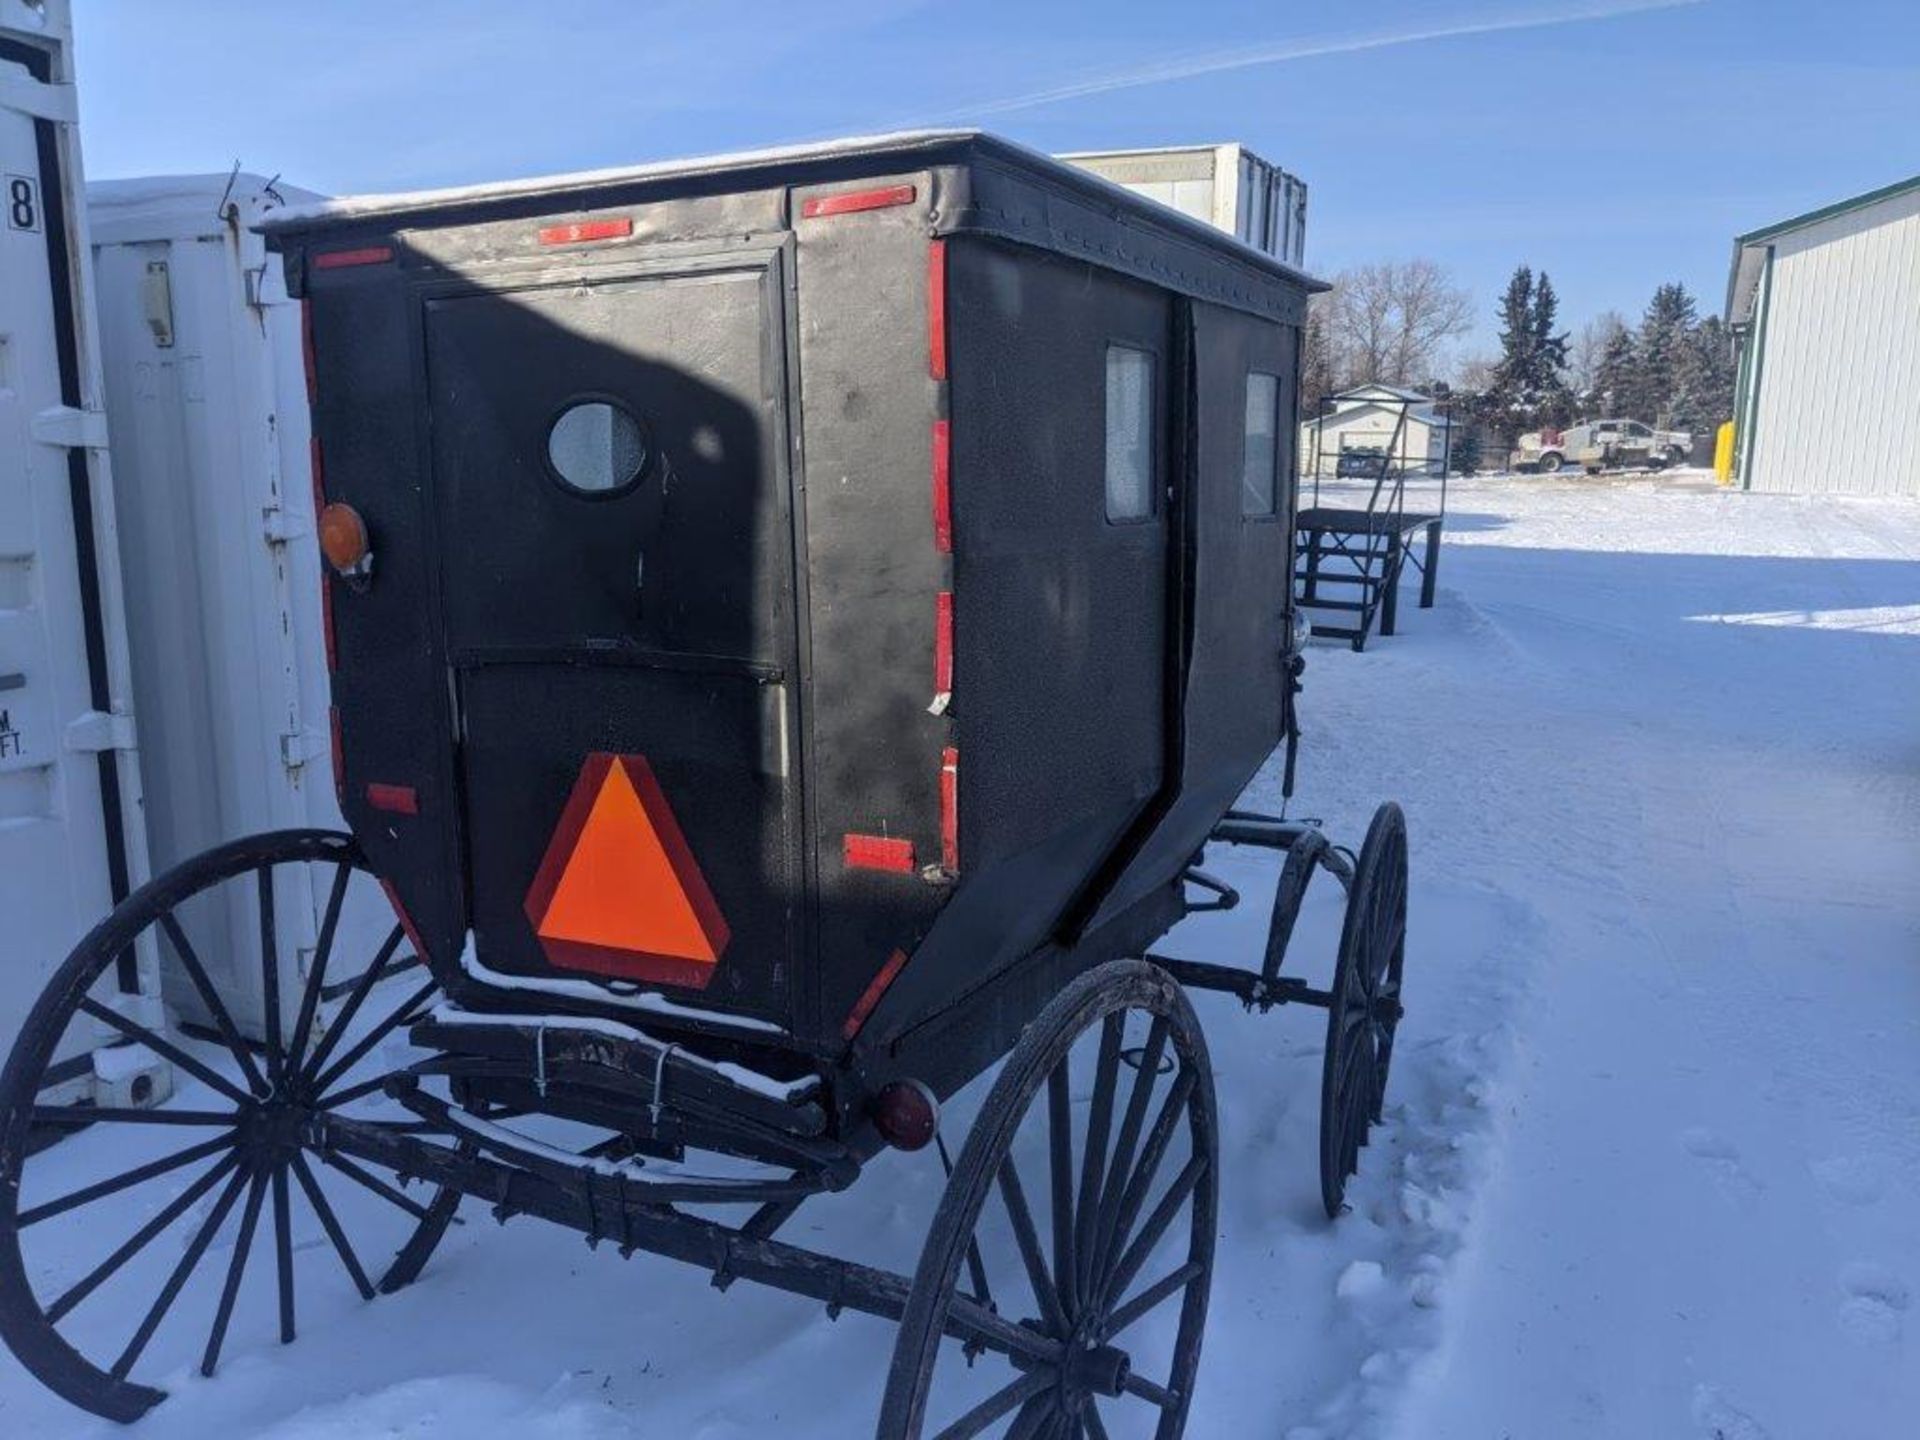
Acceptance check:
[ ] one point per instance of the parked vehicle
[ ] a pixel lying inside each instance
(1361, 462)
(748, 818)
(1598, 445)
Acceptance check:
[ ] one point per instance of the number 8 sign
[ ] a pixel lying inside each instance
(23, 203)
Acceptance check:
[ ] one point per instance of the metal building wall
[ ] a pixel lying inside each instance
(1839, 357)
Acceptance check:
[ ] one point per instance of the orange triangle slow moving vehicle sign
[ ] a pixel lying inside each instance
(619, 892)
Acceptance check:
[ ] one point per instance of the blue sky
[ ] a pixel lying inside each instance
(1616, 143)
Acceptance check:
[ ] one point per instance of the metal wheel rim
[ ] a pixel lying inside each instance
(1049, 1400)
(260, 1150)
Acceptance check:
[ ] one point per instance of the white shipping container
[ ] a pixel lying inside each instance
(71, 838)
(1228, 186)
(207, 406)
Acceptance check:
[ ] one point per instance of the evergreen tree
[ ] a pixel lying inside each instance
(1666, 336)
(1554, 405)
(1616, 381)
(1703, 382)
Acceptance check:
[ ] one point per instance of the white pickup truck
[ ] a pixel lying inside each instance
(1598, 445)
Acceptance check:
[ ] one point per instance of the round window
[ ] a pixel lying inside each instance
(596, 448)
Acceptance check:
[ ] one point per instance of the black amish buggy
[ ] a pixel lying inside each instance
(797, 621)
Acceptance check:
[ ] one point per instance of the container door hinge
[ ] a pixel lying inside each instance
(297, 747)
(97, 730)
(281, 524)
(37, 98)
(70, 428)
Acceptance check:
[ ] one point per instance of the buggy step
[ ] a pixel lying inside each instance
(1332, 577)
(1356, 606)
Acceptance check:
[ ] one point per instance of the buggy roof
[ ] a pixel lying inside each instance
(820, 162)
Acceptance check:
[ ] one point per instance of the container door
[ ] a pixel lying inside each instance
(610, 474)
(61, 855)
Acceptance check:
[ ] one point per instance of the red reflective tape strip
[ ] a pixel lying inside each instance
(317, 465)
(950, 808)
(870, 997)
(341, 259)
(855, 201)
(878, 852)
(942, 486)
(943, 643)
(306, 352)
(406, 920)
(394, 799)
(937, 309)
(339, 753)
(585, 230)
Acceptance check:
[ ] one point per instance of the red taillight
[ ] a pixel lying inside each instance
(906, 1114)
(343, 539)
(585, 231)
(854, 201)
(343, 259)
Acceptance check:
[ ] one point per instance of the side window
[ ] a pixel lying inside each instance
(1260, 463)
(1129, 433)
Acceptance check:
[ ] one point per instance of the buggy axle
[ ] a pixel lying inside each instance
(605, 1207)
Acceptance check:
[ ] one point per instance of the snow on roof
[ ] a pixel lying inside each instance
(353, 207)
(153, 205)
(1396, 392)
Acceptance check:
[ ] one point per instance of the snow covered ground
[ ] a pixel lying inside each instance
(1652, 1166)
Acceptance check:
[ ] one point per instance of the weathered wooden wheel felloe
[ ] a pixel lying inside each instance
(797, 623)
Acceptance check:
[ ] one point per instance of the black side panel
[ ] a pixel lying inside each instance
(1060, 614)
(1240, 587)
(873, 576)
(392, 692)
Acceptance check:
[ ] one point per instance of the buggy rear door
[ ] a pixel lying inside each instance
(610, 481)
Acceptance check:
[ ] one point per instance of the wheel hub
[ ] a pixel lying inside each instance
(276, 1130)
(1098, 1369)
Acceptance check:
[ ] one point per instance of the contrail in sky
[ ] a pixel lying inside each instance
(1246, 57)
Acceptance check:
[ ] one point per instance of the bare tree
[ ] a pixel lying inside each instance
(1388, 321)
(1589, 348)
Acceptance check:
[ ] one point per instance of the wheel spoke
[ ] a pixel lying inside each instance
(270, 977)
(361, 989)
(379, 1187)
(1118, 1172)
(140, 1239)
(317, 972)
(189, 1262)
(236, 1267)
(1093, 1163)
(374, 1036)
(1156, 1293)
(164, 1048)
(353, 1093)
(1142, 1247)
(1151, 1154)
(331, 1224)
(283, 1251)
(1036, 1418)
(135, 1176)
(210, 997)
(1153, 1394)
(1002, 1402)
(78, 1115)
(1090, 1421)
(1060, 1140)
(1029, 1242)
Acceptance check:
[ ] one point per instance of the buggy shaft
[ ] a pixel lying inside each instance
(606, 1208)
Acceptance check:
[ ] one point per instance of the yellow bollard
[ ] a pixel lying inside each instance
(1723, 454)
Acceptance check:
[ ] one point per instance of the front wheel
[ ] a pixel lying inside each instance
(1550, 463)
(88, 1300)
(1122, 1148)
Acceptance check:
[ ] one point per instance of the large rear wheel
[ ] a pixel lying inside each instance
(1101, 1242)
(198, 1133)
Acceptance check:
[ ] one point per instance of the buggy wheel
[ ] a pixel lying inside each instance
(86, 1187)
(1365, 1007)
(1113, 1354)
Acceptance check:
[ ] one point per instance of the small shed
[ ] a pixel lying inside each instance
(1366, 419)
(1825, 312)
